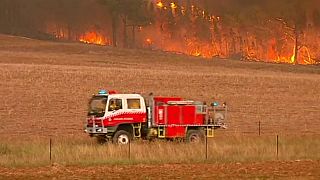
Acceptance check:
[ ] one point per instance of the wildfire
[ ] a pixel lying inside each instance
(173, 5)
(160, 4)
(204, 35)
(148, 41)
(305, 51)
(93, 38)
(292, 59)
(304, 57)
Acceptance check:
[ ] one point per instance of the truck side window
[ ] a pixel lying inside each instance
(115, 104)
(133, 103)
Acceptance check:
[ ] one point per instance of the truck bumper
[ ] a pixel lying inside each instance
(96, 130)
(100, 130)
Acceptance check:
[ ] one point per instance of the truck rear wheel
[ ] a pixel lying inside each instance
(121, 137)
(195, 136)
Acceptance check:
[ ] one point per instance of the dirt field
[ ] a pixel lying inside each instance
(269, 170)
(45, 86)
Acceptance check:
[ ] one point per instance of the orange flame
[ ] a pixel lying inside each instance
(93, 38)
(160, 4)
(148, 41)
(173, 5)
(292, 59)
(213, 44)
(306, 53)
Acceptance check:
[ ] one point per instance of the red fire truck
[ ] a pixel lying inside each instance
(123, 117)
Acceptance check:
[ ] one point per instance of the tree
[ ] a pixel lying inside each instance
(240, 20)
(114, 9)
(136, 14)
(292, 14)
(133, 11)
(316, 17)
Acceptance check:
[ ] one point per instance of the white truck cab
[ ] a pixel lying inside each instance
(125, 103)
(107, 104)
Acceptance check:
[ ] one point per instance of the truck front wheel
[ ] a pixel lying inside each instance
(121, 137)
(195, 136)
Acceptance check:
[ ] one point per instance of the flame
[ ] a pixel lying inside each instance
(192, 8)
(160, 4)
(309, 59)
(173, 5)
(292, 59)
(219, 40)
(148, 41)
(304, 57)
(93, 38)
(183, 11)
(196, 53)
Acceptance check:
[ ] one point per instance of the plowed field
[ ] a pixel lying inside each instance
(45, 86)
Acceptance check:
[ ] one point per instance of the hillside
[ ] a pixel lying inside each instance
(45, 87)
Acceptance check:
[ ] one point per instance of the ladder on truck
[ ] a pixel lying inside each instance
(136, 130)
(210, 131)
(161, 132)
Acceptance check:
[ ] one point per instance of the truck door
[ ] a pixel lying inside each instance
(114, 106)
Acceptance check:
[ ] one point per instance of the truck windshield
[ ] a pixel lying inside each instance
(97, 106)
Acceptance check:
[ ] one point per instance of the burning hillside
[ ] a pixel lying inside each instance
(199, 28)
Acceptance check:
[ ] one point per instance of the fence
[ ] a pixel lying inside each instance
(219, 149)
(232, 148)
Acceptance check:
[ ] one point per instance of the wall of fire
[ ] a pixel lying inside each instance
(181, 26)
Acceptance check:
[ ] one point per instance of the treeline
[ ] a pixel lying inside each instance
(17, 16)
(32, 16)
(281, 20)
(244, 24)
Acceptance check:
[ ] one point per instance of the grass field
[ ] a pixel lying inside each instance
(45, 87)
(86, 152)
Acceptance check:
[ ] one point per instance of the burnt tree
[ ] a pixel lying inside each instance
(292, 14)
(131, 12)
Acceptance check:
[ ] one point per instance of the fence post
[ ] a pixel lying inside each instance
(207, 144)
(50, 150)
(277, 146)
(259, 128)
(129, 149)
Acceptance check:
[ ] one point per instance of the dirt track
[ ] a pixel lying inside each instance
(266, 170)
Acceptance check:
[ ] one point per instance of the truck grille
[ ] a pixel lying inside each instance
(97, 123)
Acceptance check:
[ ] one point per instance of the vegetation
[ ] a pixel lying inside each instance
(250, 29)
(220, 150)
(132, 13)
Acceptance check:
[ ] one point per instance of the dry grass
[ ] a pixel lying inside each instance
(220, 150)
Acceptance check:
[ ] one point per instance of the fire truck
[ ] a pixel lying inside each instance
(121, 118)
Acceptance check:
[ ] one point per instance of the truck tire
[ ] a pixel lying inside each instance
(195, 136)
(122, 137)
